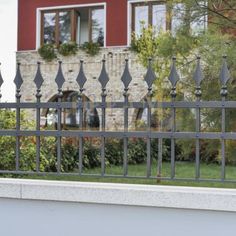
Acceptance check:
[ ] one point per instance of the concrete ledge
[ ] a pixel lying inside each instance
(120, 194)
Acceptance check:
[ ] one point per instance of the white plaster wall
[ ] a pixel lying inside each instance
(48, 208)
(48, 218)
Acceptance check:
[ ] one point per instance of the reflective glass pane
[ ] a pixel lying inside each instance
(159, 17)
(49, 27)
(177, 17)
(65, 27)
(199, 22)
(141, 19)
(98, 26)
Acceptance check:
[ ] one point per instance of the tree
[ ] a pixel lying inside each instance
(211, 45)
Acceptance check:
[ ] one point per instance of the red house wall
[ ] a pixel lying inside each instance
(116, 20)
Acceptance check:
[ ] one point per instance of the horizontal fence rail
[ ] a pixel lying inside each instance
(125, 134)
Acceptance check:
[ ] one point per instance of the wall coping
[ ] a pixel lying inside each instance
(213, 199)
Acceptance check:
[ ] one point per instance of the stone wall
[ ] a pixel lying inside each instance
(115, 62)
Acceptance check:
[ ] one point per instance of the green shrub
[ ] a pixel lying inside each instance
(114, 151)
(68, 49)
(91, 48)
(47, 52)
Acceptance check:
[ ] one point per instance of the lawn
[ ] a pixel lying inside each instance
(183, 170)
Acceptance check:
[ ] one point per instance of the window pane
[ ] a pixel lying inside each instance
(159, 17)
(49, 27)
(141, 19)
(198, 24)
(98, 26)
(65, 27)
(177, 17)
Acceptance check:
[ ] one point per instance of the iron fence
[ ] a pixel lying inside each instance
(125, 134)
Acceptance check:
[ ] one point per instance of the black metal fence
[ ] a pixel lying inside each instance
(125, 134)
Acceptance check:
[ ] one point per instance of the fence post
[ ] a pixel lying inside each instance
(18, 82)
(174, 78)
(60, 80)
(198, 77)
(81, 80)
(126, 79)
(38, 82)
(149, 78)
(224, 78)
(103, 79)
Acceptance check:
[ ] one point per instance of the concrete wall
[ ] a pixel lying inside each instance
(60, 218)
(65, 208)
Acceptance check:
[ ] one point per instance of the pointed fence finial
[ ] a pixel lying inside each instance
(173, 77)
(198, 77)
(60, 80)
(224, 77)
(126, 77)
(224, 74)
(150, 76)
(18, 78)
(1, 82)
(81, 78)
(38, 80)
(103, 78)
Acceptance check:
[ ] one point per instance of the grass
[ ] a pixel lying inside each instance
(183, 170)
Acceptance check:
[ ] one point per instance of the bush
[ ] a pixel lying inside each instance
(68, 49)
(47, 52)
(91, 48)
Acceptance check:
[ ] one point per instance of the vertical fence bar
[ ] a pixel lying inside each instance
(198, 129)
(18, 82)
(103, 79)
(81, 140)
(103, 130)
(173, 127)
(198, 93)
(223, 93)
(149, 113)
(126, 124)
(160, 151)
(60, 80)
(149, 78)
(174, 77)
(126, 79)
(81, 80)
(224, 78)
(38, 82)
(159, 162)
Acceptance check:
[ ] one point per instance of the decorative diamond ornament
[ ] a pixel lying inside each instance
(103, 78)
(18, 79)
(38, 80)
(81, 78)
(126, 77)
(173, 77)
(60, 80)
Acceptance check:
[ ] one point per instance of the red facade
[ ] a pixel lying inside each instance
(116, 20)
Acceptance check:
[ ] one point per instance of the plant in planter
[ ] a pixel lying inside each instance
(91, 48)
(68, 49)
(47, 52)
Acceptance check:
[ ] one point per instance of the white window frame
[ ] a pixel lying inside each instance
(39, 12)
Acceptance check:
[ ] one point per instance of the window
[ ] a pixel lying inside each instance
(148, 13)
(80, 25)
(71, 117)
(162, 17)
